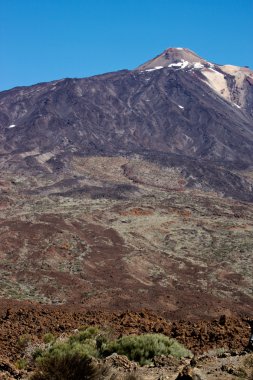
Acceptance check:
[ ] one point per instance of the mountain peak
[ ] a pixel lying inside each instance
(172, 56)
(181, 53)
(218, 77)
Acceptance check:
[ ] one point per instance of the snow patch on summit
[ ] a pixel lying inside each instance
(12, 126)
(155, 68)
(182, 65)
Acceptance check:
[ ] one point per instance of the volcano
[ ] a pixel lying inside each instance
(131, 187)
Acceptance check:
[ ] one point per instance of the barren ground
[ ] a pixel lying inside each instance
(116, 233)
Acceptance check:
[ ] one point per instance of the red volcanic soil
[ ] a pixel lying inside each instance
(136, 211)
(32, 320)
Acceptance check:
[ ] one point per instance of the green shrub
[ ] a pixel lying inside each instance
(67, 361)
(89, 333)
(143, 348)
(67, 366)
(21, 363)
(59, 350)
(74, 358)
(49, 338)
(70, 359)
(24, 340)
(38, 351)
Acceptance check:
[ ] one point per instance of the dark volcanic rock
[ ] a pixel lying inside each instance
(126, 111)
(168, 110)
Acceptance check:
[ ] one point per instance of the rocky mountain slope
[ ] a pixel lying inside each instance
(176, 108)
(131, 189)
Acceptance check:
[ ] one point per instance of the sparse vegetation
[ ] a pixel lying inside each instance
(187, 225)
(69, 359)
(75, 358)
(49, 338)
(143, 348)
(21, 363)
(66, 364)
(24, 340)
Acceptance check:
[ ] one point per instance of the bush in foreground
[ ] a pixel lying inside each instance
(69, 360)
(143, 348)
(73, 359)
(67, 366)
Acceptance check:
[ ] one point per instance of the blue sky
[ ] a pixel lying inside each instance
(43, 40)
